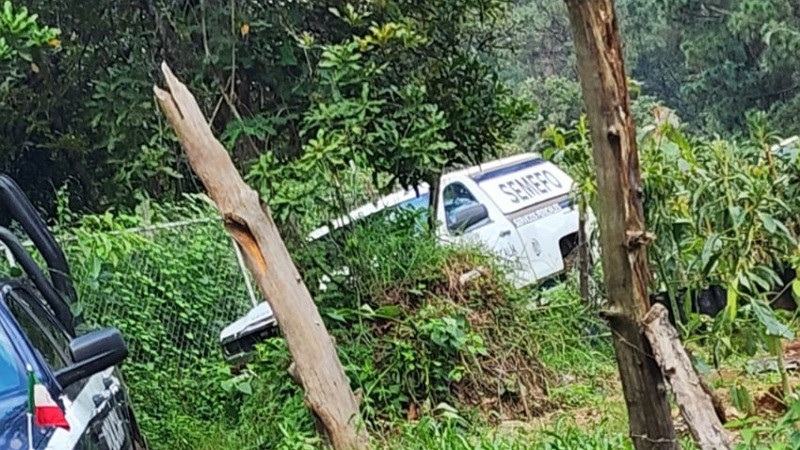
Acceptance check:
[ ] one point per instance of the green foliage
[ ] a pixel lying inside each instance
(362, 117)
(723, 214)
(413, 341)
(266, 409)
(733, 58)
(20, 35)
(781, 435)
(390, 104)
(715, 63)
(267, 76)
(541, 45)
(450, 434)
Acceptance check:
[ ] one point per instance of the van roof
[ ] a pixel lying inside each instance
(401, 196)
(491, 166)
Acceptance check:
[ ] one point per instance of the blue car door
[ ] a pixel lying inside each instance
(96, 407)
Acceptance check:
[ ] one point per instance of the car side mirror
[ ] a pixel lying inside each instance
(466, 217)
(92, 353)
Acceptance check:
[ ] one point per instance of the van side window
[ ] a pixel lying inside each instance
(44, 335)
(457, 200)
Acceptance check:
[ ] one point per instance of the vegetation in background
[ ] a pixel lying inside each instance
(21, 36)
(262, 71)
(83, 112)
(713, 62)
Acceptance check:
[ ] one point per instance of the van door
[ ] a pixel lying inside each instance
(534, 195)
(468, 216)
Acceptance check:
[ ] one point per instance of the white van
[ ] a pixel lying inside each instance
(519, 207)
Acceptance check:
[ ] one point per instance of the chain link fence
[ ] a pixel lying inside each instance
(170, 288)
(191, 338)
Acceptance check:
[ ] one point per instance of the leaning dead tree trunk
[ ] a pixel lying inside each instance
(697, 407)
(622, 232)
(327, 390)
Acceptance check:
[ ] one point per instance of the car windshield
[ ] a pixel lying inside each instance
(11, 375)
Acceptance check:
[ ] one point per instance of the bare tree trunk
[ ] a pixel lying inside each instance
(621, 218)
(327, 390)
(434, 184)
(583, 252)
(697, 406)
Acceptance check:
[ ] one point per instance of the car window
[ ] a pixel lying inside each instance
(38, 325)
(11, 374)
(455, 197)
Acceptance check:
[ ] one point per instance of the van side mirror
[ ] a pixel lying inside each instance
(92, 353)
(468, 216)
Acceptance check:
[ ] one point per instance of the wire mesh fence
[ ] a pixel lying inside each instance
(193, 332)
(170, 289)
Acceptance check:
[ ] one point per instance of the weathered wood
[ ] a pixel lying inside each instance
(621, 219)
(327, 390)
(696, 405)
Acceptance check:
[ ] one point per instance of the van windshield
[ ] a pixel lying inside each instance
(416, 205)
(419, 204)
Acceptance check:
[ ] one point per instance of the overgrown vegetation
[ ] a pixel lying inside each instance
(325, 105)
(415, 341)
(157, 288)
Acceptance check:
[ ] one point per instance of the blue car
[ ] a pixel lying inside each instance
(57, 390)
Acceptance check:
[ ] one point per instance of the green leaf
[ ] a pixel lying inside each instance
(335, 316)
(733, 299)
(388, 312)
(773, 327)
(245, 388)
(768, 221)
(708, 248)
(737, 214)
(287, 54)
(796, 288)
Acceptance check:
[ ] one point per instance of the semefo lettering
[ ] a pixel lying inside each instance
(530, 186)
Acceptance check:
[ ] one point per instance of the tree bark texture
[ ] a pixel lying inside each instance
(621, 219)
(697, 406)
(327, 390)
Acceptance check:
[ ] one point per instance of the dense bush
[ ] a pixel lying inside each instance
(414, 336)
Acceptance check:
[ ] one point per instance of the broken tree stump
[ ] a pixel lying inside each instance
(696, 405)
(327, 390)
